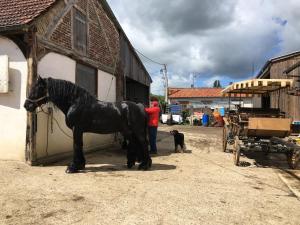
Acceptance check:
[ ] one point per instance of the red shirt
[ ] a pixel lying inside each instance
(153, 113)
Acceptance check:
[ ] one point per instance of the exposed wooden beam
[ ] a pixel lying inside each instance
(54, 48)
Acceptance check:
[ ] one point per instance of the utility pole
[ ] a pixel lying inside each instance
(165, 72)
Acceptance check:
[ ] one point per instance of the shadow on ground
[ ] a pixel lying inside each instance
(167, 149)
(271, 160)
(263, 160)
(110, 168)
(114, 159)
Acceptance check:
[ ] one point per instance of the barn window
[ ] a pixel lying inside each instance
(86, 77)
(80, 31)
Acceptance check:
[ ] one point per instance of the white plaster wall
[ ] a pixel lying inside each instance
(57, 66)
(13, 116)
(51, 140)
(106, 87)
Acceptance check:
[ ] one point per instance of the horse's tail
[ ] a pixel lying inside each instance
(142, 107)
(146, 129)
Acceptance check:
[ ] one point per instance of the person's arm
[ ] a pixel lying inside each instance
(150, 110)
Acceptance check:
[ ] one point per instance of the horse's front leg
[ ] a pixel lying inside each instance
(78, 162)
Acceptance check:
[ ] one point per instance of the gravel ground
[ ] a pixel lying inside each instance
(200, 186)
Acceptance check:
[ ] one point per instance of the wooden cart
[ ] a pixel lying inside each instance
(259, 129)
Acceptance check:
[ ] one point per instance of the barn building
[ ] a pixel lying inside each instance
(283, 67)
(76, 40)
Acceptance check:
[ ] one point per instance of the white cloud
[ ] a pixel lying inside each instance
(221, 39)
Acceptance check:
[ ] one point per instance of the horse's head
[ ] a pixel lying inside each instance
(38, 95)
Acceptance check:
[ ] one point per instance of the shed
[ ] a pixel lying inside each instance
(283, 67)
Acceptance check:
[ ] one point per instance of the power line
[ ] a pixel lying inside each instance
(149, 58)
(164, 71)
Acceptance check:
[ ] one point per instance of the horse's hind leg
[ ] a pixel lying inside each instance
(143, 152)
(131, 154)
(131, 149)
(78, 162)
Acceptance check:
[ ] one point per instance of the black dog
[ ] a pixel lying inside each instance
(178, 140)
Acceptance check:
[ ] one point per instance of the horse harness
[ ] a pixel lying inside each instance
(36, 101)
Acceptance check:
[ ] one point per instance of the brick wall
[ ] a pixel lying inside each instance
(92, 13)
(110, 30)
(98, 48)
(103, 38)
(46, 20)
(62, 34)
(82, 4)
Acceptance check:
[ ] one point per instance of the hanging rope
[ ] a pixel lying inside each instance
(55, 120)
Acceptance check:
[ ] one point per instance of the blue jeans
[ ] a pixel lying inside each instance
(152, 138)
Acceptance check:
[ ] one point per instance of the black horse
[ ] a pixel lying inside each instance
(84, 113)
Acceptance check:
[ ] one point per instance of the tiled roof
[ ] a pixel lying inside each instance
(19, 12)
(195, 92)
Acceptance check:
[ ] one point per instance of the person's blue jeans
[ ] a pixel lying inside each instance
(152, 138)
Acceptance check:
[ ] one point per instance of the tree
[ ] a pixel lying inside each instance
(160, 99)
(217, 84)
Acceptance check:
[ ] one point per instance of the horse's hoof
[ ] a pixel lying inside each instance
(130, 165)
(71, 169)
(141, 166)
(80, 166)
(150, 163)
(144, 166)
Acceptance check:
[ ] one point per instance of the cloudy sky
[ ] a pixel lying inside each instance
(213, 39)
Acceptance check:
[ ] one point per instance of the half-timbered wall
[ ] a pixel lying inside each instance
(55, 31)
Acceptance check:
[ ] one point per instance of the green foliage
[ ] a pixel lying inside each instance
(185, 114)
(159, 98)
(217, 84)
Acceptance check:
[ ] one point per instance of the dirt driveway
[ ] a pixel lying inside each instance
(198, 187)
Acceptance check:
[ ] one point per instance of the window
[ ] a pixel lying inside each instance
(86, 77)
(80, 31)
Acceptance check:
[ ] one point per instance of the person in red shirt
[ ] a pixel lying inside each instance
(153, 114)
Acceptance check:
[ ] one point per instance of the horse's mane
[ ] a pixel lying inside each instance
(65, 92)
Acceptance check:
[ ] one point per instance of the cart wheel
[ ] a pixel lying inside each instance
(224, 139)
(236, 151)
(293, 158)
